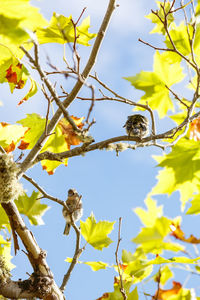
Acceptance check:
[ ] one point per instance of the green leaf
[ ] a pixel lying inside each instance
(61, 30)
(55, 143)
(32, 208)
(195, 206)
(95, 265)
(154, 83)
(138, 270)
(31, 92)
(10, 135)
(175, 177)
(133, 295)
(5, 251)
(13, 26)
(4, 221)
(153, 212)
(159, 28)
(96, 233)
(151, 239)
(157, 232)
(163, 275)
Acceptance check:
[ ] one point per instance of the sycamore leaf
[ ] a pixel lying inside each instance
(163, 275)
(159, 28)
(5, 251)
(4, 221)
(153, 212)
(133, 295)
(195, 206)
(61, 30)
(16, 76)
(154, 83)
(13, 26)
(31, 92)
(116, 295)
(194, 131)
(180, 235)
(166, 294)
(10, 135)
(96, 233)
(138, 270)
(151, 239)
(180, 38)
(175, 177)
(157, 232)
(60, 141)
(70, 136)
(32, 208)
(95, 265)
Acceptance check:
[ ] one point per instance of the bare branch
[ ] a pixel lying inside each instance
(122, 290)
(36, 149)
(78, 251)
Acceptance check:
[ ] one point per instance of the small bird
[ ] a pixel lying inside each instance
(137, 125)
(75, 209)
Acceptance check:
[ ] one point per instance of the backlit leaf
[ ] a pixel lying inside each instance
(154, 83)
(32, 208)
(159, 28)
(61, 30)
(96, 233)
(149, 216)
(10, 135)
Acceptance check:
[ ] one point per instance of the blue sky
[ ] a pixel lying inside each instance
(111, 186)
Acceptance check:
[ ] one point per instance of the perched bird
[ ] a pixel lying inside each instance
(137, 125)
(75, 209)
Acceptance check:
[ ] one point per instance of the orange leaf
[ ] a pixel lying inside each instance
(12, 76)
(23, 145)
(165, 294)
(194, 131)
(10, 148)
(70, 136)
(180, 235)
(104, 296)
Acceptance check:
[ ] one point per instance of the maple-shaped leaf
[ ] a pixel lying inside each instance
(10, 135)
(154, 83)
(175, 177)
(60, 141)
(16, 76)
(163, 275)
(70, 136)
(32, 208)
(159, 28)
(153, 212)
(151, 239)
(95, 265)
(96, 233)
(13, 26)
(61, 30)
(178, 233)
(195, 206)
(166, 294)
(117, 295)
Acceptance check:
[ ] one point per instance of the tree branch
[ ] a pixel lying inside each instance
(41, 141)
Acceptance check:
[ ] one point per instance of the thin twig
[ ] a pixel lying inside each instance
(72, 95)
(42, 191)
(177, 97)
(78, 251)
(122, 290)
